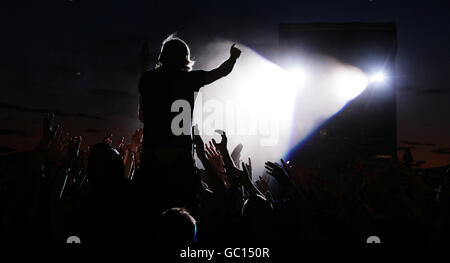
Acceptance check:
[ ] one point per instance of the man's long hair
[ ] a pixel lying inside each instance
(175, 54)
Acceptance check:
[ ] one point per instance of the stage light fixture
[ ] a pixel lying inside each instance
(379, 77)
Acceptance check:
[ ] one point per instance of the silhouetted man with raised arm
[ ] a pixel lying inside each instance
(167, 165)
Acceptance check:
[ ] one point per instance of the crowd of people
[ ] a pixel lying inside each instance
(61, 189)
(149, 189)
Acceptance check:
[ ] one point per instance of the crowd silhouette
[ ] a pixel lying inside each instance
(149, 186)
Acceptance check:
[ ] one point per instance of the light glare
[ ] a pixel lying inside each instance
(349, 83)
(296, 76)
(271, 109)
(379, 77)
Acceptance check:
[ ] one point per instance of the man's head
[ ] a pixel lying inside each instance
(175, 54)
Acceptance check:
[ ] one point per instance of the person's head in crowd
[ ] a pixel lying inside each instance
(256, 206)
(177, 226)
(175, 54)
(105, 166)
(257, 215)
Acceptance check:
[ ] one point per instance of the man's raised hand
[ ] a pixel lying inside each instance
(235, 52)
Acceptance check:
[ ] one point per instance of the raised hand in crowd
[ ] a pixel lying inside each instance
(214, 157)
(212, 162)
(279, 174)
(136, 140)
(132, 151)
(233, 173)
(282, 177)
(58, 146)
(287, 166)
(120, 147)
(48, 131)
(84, 155)
(222, 148)
(52, 143)
(216, 160)
(249, 168)
(247, 182)
(73, 149)
(236, 155)
(129, 164)
(198, 143)
(263, 187)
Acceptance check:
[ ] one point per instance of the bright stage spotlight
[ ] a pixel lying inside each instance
(271, 109)
(349, 83)
(378, 77)
(297, 76)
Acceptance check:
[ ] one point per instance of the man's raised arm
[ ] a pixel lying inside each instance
(225, 68)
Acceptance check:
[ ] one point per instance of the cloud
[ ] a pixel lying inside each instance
(42, 110)
(442, 150)
(14, 132)
(411, 143)
(415, 143)
(31, 110)
(88, 116)
(4, 149)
